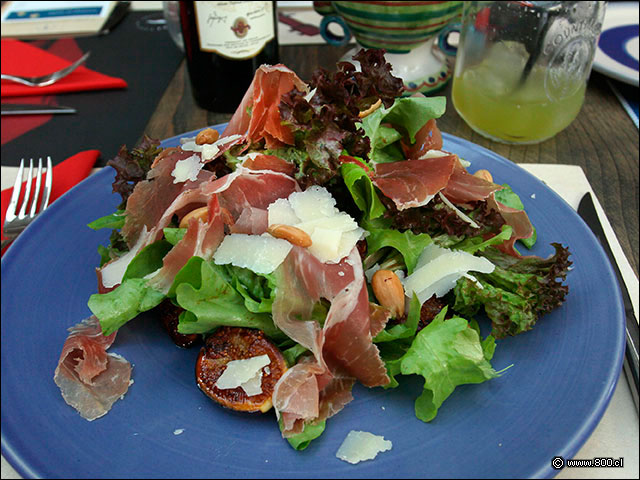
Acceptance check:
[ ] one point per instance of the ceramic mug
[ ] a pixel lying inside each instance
(408, 31)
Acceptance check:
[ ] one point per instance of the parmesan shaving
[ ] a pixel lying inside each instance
(360, 446)
(333, 233)
(245, 373)
(187, 169)
(259, 253)
(113, 271)
(457, 211)
(433, 154)
(438, 269)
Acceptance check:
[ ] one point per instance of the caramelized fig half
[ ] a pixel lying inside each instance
(235, 343)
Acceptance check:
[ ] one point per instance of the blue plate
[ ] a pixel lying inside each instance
(617, 52)
(546, 405)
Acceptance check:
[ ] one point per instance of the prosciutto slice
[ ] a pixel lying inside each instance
(269, 162)
(464, 187)
(149, 204)
(263, 100)
(233, 193)
(413, 183)
(518, 220)
(89, 379)
(201, 239)
(342, 349)
(427, 138)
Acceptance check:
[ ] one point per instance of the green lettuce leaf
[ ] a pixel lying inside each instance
(447, 353)
(408, 244)
(173, 235)
(113, 220)
(476, 244)
(133, 296)
(362, 190)
(302, 440)
(406, 115)
(213, 302)
(124, 303)
(406, 330)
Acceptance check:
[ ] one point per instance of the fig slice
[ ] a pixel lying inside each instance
(238, 343)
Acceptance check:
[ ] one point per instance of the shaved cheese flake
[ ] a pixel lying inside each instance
(113, 271)
(457, 211)
(253, 386)
(438, 270)
(245, 373)
(333, 233)
(187, 169)
(360, 446)
(209, 151)
(259, 253)
(281, 213)
(189, 144)
(314, 203)
(433, 154)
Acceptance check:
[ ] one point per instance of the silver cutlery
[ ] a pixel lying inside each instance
(15, 223)
(33, 109)
(587, 211)
(49, 79)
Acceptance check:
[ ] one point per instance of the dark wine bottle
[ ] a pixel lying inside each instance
(225, 43)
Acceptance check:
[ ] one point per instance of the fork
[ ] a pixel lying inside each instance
(14, 223)
(49, 79)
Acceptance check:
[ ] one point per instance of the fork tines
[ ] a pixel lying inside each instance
(17, 187)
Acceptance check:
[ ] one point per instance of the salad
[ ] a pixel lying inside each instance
(323, 238)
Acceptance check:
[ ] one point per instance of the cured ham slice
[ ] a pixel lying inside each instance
(269, 162)
(342, 349)
(89, 378)
(464, 187)
(252, 221)
(263, 100)
(427, 138)
(151, 198)
(233, 193)
(518, 220)
(252, 188)
(201, 239)
(413, 183)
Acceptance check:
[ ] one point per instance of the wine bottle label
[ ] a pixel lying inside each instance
(236, 30)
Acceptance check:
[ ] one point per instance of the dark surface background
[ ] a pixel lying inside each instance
(137, 51)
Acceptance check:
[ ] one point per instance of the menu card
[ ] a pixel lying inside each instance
(53, 19)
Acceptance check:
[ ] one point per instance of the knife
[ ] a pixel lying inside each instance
(33, 109)
(587, 211)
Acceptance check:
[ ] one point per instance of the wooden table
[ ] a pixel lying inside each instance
(602, 140)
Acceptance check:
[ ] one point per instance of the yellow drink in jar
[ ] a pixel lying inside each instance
(492, 99)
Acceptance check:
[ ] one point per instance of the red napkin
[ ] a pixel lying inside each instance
(19, 58)
(65, 175)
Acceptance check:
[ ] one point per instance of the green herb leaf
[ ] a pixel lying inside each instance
(302, 440)
(407, 243)
(113, 220)
(362, 190)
